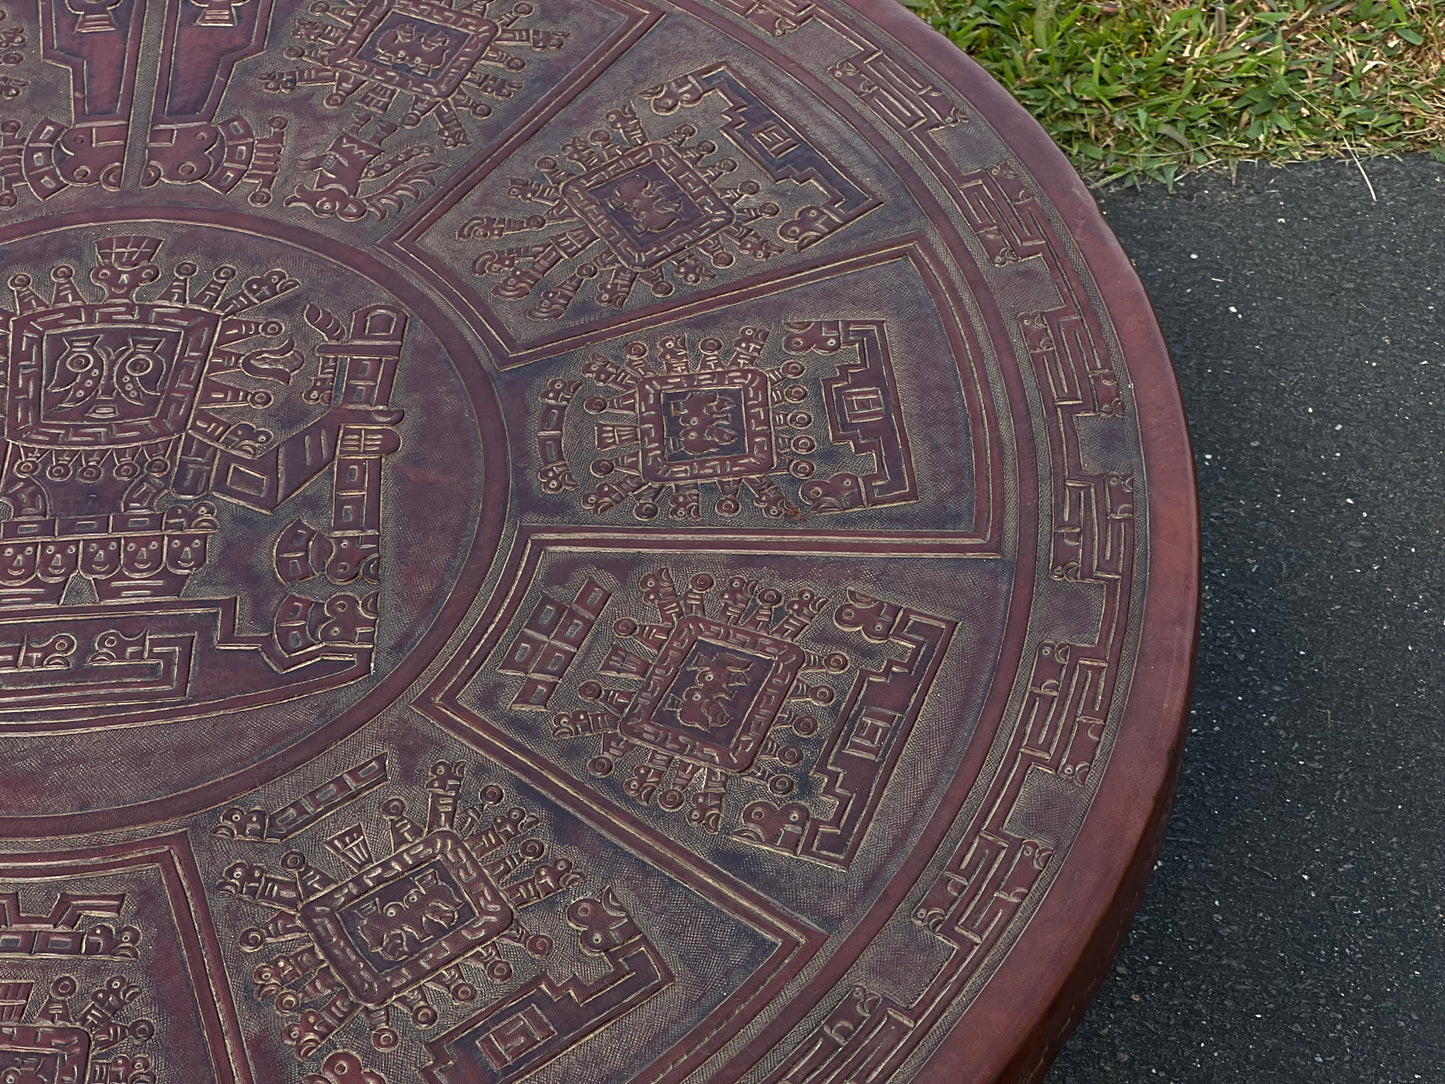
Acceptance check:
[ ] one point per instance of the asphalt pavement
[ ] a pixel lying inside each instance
(1294, 929)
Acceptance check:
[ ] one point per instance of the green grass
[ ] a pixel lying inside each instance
(1152, 89)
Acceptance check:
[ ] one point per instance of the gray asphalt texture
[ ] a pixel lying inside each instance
(1293, 929)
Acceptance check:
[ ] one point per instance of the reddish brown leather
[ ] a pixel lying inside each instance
(563, 540)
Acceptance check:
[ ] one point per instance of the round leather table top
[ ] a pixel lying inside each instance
(566, 540)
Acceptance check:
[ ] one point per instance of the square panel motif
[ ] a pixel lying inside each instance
(88, 375)
(705, 425)
(42, 1053)
(414, 45)
(713, 692)
(648, 204)
(398, 922)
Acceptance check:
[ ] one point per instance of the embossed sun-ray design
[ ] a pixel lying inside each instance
(717, 688)
(431, 53)
(436, 53)
(125, 416)
(445, 898)
(114, 404)
(707, 694)
(665, 209)
(51, 1031)
(739, 423)
(698, 419)
(656, 203)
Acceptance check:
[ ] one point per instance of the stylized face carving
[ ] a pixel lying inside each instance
(143, 555)
(396, 924)
(106, 376)
(18, 561)
(101, 557)
(652, 205)
(701, 423)
(713, 424)
(186, 553)
(713, 692)
(59, 559)
(125, 375)
(414, 48)
(648, 204)
(418, 46)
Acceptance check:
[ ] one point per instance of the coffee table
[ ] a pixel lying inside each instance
(570, 541)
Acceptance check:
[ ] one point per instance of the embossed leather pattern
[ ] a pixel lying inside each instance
(567, 541)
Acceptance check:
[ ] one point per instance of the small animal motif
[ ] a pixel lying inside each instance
(652, 206)
(429, 909)
(409, 46)
(706, 423)
(350, 163)
(706, 704)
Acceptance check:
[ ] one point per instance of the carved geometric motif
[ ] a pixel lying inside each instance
(84, 939)
(626, 211)
(738, 421)
(231, 96)
(607, 531)
(127, 415)
(545, 648)
(445, 62)
(540, 1021)
(1057, 731)
(47, 1050)
(448, 61)
(13, 41)
(178, 137)
(451, 899)
(722, 693)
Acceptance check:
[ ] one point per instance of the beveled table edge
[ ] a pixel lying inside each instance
(1083, 920)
